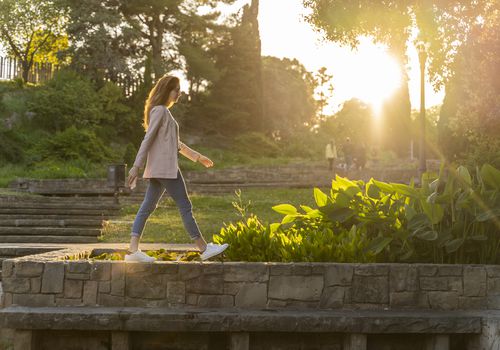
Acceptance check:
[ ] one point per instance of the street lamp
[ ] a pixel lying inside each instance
(422, 57)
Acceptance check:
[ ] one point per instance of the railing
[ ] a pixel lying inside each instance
(11, 68)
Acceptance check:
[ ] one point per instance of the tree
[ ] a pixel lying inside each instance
(469, 124)
(235, 102)
(324, 85)
(29, 27)
(288, 95)
(442, 24)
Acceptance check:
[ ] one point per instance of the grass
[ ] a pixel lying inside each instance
(210, 211)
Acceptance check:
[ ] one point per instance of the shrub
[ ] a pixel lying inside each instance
(256, 144)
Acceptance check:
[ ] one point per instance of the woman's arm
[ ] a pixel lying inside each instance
(156, 120)
(193, 155)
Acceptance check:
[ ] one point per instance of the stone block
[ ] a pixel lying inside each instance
(443, 300)
(189, 271)
(53, 277)
(493, 270)
(73, 289)
(68, 302)
(455, 283)
(118, 271)
(450, 270)
(79, 267)
(232, 288)
(371, 270)
(176, 292)
(408, 300)
(90, 293)
(110, 300)
(403, 277)
(246, 272)
(148, 287)
(7, 299)
(280, 269)
(434, 283)
(16, 285)
(192, 299)
(474, 281)
(28, 268)
(475, 303)
(494, 302)
(118, 287)
(206, 284)
(78, 276)
(368, 289)
(7, 268)
(100, 271)
(339, 275)
(165, 267)
(34, 299)
(251, 295)
(104, 287)
(332, 297)
(296, 287)
(213, 268)
(206, 300)
(494, 286)
(36, 284)
(427, 270)
(276, 304)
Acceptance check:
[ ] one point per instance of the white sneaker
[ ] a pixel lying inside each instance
(213, 250)
(138, 255)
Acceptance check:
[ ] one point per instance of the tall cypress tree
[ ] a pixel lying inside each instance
(235, 104)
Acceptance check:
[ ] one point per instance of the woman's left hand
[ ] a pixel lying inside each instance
(205, 161)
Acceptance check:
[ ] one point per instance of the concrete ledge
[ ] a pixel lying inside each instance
(199, 320)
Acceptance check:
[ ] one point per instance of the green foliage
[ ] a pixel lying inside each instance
(453, 219)
(160, 255)
(11, 147)
(67, 100)
(73, 144)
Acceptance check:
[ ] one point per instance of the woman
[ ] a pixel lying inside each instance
(160, 146)
(331, 154)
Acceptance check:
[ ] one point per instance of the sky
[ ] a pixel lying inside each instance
(368, 73)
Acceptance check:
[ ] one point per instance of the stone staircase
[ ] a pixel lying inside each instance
(38, 219)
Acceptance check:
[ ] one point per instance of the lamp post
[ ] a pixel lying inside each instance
(422, 57)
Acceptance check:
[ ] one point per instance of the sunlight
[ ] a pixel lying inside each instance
(374, 75)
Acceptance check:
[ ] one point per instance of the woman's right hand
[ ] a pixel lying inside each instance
(132, 176)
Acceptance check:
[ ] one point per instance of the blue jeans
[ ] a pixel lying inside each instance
(176, 188)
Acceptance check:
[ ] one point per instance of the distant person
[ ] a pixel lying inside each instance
(347, 149)
(160, 147)
(331, 154)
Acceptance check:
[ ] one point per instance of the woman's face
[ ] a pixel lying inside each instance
(175, 94)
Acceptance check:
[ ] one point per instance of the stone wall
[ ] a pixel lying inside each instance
(49, 280)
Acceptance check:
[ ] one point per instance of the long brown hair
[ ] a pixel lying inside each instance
(159, 94)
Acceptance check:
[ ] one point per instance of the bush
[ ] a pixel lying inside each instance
(67, 100)
(453, 219)
(73, 144)
(11, 147)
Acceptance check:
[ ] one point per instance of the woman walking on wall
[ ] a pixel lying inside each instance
(159, 150)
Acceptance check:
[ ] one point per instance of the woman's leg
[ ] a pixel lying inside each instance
(153, 194)
(176, 188)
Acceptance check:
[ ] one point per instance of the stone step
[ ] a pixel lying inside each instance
(56, 205)
(50, 223)
(52, 231)
(62, 211)
(48, 239)
(49, 217)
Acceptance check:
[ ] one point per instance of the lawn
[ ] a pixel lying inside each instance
(211, 212)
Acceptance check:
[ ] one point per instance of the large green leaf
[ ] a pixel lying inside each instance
(464, 175)
(372, 190)
(488, 215)
(453, 245)
(378, 244)
(286, 209)
(434, 212)
(490, 176)
(405, 190)
(341, 215)
(418, 221)
(320, 197)
(429, 235)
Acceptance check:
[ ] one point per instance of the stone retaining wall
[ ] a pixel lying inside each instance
(49, 280)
